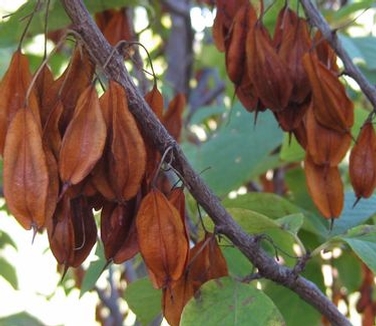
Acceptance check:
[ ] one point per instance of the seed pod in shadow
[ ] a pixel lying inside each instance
(72, 231)
(266, 69)
(118, 232)
(235, 52)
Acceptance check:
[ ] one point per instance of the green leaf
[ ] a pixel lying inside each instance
(238, 265)
(225, 301)
(353, 216)
(144, 300)
(233, 154)
(8, 272)
(94, 271)
(362, 240)
(20, 319)
(268, 204)
(351, 8)
(291, 151)
(251, 221)
(291, 223)
(349, 270)
(5, 240)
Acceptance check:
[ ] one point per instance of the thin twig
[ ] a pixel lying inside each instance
(154, 131)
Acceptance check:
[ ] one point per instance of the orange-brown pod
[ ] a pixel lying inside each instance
(325, 187)
(362, 165)
(162, 238)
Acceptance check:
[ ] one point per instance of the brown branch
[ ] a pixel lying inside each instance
(316, 18)
(100, 51)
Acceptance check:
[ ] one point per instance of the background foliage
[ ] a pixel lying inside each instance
(249, 163)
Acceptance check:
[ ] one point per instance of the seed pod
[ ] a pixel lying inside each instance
(173, 117)
(362, 165)
(292, 41)
(124, 161)
(118, 232)
(235, 53)
(43, 84)
(84, 139)
(206, 261)
(266, 69)
(162, 238)
(26, 176)
(72, 231)
(331, 105)
(68, 87)
(325, 187)
(13, 89)
(325, 146)
(292, 116)
(175, 297)
(226, 11)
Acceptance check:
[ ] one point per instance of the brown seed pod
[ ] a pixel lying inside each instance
(118, 232)
(72, 231)
(122, 167)
(362, 165)
(162, 238)
(325, 146)
(292, 41)
(235, 53)
(84, 139)
(13, 89)
(331, 105)
(325, 187)
(26, 176)
(173, 117)
(266, 69)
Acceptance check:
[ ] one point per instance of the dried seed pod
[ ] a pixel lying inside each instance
(235, 53)
(292, 116)
(331, 105)
(206, 261)
(72, 231)
(173, 117)
(175, 297)
(325, 146)
(162, 238)
(84, 139)
(226, 11)
(118, 231)
(266, 69)
(68, 87)
(362, 165)
(26, 176)
(13, 89)
(51, 133)
(292, 40)
(114, 25)
(124, 160)
(43, 83)
(325, 187)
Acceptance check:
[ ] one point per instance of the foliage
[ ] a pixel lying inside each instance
(245, 157)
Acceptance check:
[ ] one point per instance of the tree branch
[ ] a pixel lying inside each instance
(153, 130)
(317, 19)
